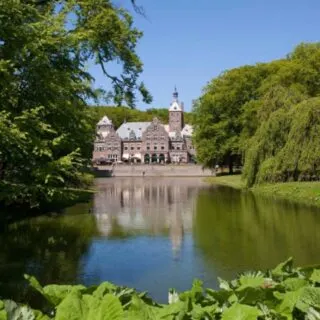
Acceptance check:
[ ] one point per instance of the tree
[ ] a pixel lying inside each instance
(46, 133)
(261, 112)
(217, 114)
(285, 96)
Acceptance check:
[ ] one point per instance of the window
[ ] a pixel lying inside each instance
(138, 148)
(125, 148)
(178, 148)
(155, 148)
(148, 148)
(132, 148)
(162, 148)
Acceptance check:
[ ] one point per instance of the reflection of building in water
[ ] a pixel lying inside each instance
(148, 205)
(176, 231)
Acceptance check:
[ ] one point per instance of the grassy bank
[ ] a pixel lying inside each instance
(300, 192)
(231, 181)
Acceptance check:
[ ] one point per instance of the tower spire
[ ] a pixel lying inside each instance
(175, 93)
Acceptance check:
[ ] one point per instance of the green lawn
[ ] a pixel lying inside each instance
(232, 181)
(302, 192)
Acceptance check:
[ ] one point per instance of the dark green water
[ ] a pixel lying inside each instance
(153, 234)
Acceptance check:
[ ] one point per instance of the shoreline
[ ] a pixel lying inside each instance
(307, 193)
(153, 170)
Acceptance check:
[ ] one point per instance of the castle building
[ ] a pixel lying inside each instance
(146, 142)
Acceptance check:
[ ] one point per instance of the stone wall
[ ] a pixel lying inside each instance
(141, 170)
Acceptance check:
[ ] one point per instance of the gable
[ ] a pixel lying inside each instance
(175, 106)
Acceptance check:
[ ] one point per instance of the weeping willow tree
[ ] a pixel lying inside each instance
(281, 147)
(272, 134)
(299, 157)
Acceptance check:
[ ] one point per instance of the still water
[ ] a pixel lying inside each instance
(158, 233)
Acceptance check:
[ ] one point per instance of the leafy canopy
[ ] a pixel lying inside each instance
(46, 130)
(252, 113)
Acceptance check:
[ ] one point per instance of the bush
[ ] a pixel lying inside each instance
(282, 293)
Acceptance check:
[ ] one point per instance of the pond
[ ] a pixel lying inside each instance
(157, 233)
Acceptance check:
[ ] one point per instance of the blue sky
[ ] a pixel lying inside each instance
(187, 43)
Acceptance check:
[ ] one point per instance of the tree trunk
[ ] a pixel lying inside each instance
(230, 164)
(2, 170)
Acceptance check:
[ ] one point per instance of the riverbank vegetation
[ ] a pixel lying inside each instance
(46, 130)
(307, 193)
(282, 293)
(265, 116)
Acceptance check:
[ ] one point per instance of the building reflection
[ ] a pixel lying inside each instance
(154, 206)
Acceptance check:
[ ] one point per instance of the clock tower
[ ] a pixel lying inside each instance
(176, 121)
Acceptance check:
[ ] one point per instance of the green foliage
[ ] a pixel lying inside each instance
(46, 130)
(266, 114)
(218, 113)
(282, 293)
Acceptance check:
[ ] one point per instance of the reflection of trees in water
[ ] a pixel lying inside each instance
(46, 247)
(125, 207)
(238, 230)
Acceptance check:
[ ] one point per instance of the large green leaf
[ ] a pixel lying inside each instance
(293, 284)
(283, 268)
(73, 307)
(34, 283)
(199, 312)
(310, 297)
(140, 310)
(110, 308)
(195, 293)
(289, 300)
(312, 314)
(220, 296)
(241, 312)
(93, 305)
(223, 284)
(170, 310)
(56, 293)
(103, 288)
(18, 312)
(39, 315)
(315, 276)
(251, 280)
(3, 313)
(251, 296)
